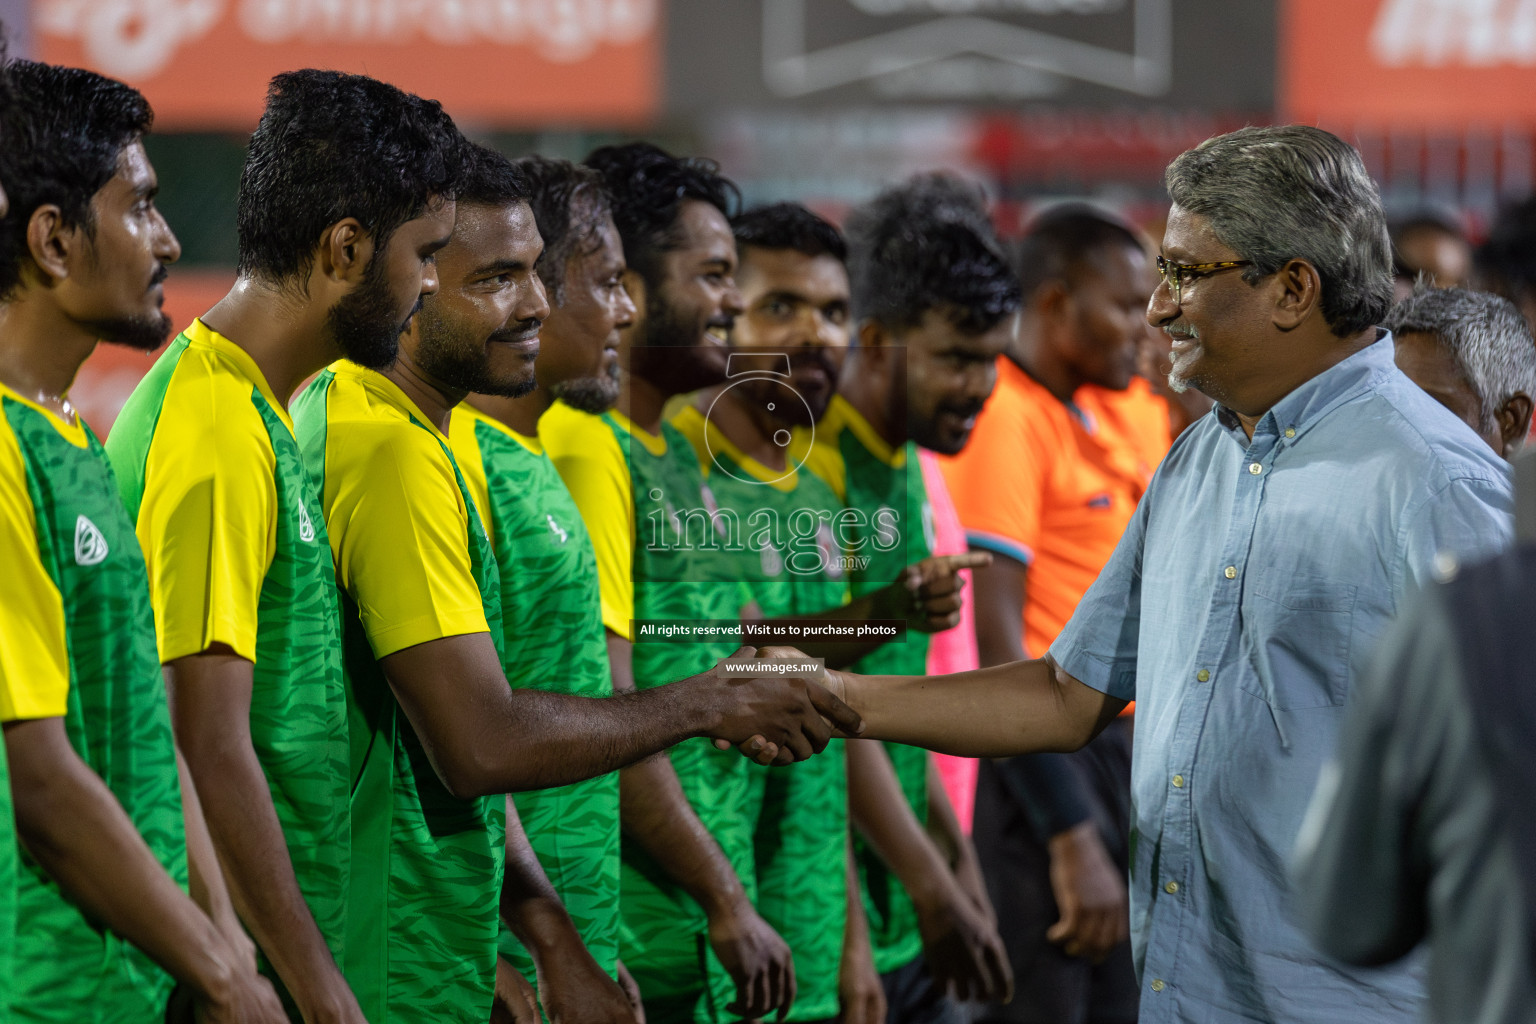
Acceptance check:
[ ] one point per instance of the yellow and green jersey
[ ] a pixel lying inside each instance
(893, 529)
(413, 564)
(238, 555)
(553, 640)
(645, 502)
(77, 641)
(790, 563)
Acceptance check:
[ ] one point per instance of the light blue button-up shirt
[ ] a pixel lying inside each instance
(1249, 584)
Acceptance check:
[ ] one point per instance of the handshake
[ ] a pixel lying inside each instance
(775, 704)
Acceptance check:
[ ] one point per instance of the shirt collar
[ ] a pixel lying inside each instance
(1307, 405)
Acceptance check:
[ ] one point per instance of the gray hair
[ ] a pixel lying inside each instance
(1295, 192)
(1486, 334)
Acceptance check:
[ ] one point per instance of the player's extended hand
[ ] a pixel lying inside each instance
(514, 1002)
(1090, 894)
(575, 990)
(758, 960)
(776, 719)
(962, 948)
(928, 593)
(631, 991)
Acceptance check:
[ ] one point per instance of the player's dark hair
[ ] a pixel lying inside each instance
(789, 226)
(330, 146)
(490, 179)
(64, 131)
(1506, 262)
(648, 186)
(569, 203)
(1064, 240)
(928, 244)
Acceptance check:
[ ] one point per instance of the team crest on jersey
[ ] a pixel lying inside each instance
(556, 529)
(306, 525)
(90, 545)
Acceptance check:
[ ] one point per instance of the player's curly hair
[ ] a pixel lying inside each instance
(789, 226)
(649, 186)
(64, 130)
(929, 243)
(329, 146)
(570, 203)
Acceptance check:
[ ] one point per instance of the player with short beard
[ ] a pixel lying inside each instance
(107, 827)
(442, 735)
(552, 623)
(346, 194)
(934, 297)
(693, 940)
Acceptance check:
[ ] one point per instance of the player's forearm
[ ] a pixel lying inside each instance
(529, 904)
(880, 812)
(76, 830)
(992, 712)
(856, 931)
(251, 847)
(943, 825)
(655, 813)
(545, 740)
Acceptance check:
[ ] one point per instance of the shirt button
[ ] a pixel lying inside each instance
(1178, 782)
(1171, 888)
(1157, 984)
(1202, 675)
(1290, 431)
(1230, 572)
(1255, 468)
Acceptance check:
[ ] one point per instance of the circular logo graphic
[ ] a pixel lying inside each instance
(771, 390)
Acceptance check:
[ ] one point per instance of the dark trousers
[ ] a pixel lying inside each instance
(1049, 986)
(911, 997)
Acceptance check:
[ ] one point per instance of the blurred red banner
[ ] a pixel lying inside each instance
(1438, 65)
(205, 64)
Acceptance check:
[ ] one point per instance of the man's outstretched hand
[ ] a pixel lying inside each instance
(776, 718)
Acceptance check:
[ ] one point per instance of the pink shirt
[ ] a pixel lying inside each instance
(953, 650)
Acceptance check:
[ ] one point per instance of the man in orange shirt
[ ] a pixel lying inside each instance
(1055, 467)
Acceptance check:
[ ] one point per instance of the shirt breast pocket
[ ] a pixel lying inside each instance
(1297, 633)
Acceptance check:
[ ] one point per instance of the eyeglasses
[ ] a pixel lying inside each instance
(1175, 274)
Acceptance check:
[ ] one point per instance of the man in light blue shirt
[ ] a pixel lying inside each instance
(1274, 545)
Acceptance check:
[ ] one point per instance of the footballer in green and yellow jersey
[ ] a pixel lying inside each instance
(101, 817)
(551, 607)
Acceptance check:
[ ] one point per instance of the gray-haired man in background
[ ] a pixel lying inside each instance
(1473, 353)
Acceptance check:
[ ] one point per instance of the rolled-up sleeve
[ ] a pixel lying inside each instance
(1098, 645)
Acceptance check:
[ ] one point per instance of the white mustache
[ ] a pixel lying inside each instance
(1183, 331)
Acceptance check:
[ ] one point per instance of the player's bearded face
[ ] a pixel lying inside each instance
(145, 332)
(363, 323)
(595, 394)
(668, 347)
(456, 352)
